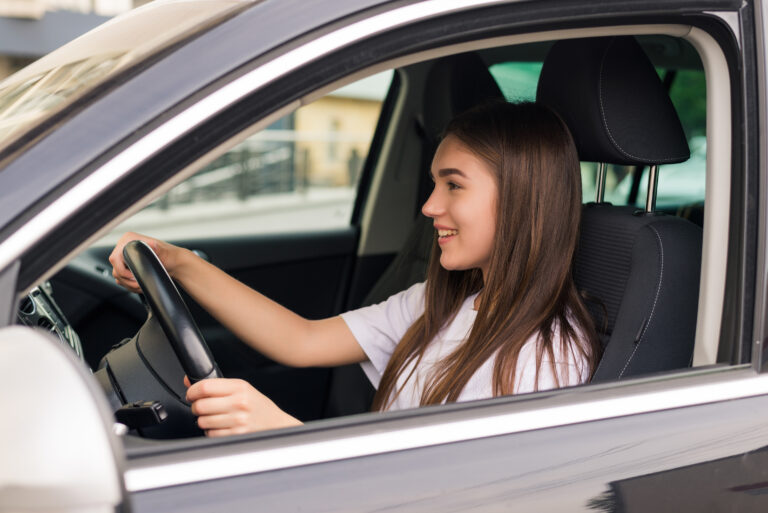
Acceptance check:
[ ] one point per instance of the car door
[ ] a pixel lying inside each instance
(569, 450)
(603, 451)
(574, 449)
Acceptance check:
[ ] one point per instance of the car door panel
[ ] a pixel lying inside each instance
(577, 467)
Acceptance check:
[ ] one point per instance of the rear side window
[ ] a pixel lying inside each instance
(517, 80)
(681, 187)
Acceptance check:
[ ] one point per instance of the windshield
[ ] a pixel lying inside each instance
(47, 85)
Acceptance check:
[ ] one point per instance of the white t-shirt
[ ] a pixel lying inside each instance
(379, 328)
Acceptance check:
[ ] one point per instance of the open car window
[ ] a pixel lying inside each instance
(681, 190)
(275, 211)
(252, 208)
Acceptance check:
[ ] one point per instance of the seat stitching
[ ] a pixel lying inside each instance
(655, 300)
(605, 121)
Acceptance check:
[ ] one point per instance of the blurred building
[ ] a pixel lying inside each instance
(30, 29)
(335, 132)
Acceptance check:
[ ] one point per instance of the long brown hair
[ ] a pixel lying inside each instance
(529, 287)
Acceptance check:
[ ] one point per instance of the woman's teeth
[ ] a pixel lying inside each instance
(446, 233)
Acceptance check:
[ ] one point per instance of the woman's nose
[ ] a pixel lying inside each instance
(432, 207)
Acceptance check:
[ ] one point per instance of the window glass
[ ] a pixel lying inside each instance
(50, 83)
(299, 174)
(618, 182)
(517, 80)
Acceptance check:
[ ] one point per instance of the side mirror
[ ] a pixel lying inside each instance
(58, 448)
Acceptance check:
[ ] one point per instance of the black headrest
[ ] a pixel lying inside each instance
(455, 84)
(610, 96)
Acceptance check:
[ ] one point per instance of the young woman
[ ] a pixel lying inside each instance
(498, 314)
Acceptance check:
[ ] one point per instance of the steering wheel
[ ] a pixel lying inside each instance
(142, 377)
(171, 312)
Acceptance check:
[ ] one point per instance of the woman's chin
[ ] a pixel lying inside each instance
(446, 266)
(451, 266)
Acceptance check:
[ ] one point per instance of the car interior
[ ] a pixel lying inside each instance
(640, 103)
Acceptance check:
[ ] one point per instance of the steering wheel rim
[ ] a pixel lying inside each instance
(167, 305)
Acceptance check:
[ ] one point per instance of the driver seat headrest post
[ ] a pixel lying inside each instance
(653, 185)
(600, 183)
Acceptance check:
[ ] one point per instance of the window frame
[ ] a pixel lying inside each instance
(329, 440)
(354, 437)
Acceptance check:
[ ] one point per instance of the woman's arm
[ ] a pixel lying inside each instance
(263, 324)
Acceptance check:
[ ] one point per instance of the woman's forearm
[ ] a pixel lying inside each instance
(268, 327)
(263, 324)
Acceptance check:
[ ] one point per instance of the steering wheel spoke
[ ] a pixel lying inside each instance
(168, 307)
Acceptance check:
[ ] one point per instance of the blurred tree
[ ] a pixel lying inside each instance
(689, 95)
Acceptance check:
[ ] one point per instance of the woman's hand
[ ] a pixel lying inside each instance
(168, 254)
(232, 407)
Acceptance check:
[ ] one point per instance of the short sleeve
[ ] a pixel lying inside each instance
(379, 328)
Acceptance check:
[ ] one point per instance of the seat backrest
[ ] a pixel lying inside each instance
(644, 273)
(639, 271)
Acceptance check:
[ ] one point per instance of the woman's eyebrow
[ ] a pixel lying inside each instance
(450, 171)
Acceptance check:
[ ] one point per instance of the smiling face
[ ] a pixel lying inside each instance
(462, 206)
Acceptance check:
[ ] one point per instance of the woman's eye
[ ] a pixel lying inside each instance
(453, 186)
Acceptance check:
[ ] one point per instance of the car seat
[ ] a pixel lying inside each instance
(640, 269)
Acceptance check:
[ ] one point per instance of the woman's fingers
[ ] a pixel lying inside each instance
(217, 388)
(215, 405)
(213, 433)
(129, 283)
(209, 422)
(233, 406)
(237, 421)
(225, 404)
(120, 271)
(123, 276)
